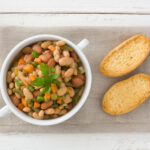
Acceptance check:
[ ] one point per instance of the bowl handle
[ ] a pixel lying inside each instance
(4, 111)
(83, 44)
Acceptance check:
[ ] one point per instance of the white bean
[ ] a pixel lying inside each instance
(65, 61)
(62, 91)
(49, 111)
(41, 113)
(13, 75)
(27, 94)
(18, 95)
(67, 79)
(57, 69)
(11, 85)
(26, 109)
(9, 91)
(9, 79)
(56, 54)
(69, 72)
(67, 99)
(66, 53)
(72, 92)
(63, 112)
(57, 111)
(60, 43)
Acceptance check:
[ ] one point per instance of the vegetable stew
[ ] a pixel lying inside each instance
(47, 80)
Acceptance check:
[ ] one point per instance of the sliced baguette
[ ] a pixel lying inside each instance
(126, 95)
(126, 57)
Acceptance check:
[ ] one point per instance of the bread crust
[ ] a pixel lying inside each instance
(126, 57)
(127, 94)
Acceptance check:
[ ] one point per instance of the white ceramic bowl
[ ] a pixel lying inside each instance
(8, 61)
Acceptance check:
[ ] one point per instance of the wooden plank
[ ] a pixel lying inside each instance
(95, 141)
(75, 6)
(47, 20)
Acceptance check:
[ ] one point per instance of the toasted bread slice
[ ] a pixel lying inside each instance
(126, 57)
(126, 95)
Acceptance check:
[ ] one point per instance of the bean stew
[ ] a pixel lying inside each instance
(47, 80)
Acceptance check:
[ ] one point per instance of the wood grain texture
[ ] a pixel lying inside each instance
(59, 20)
(75, 6)
(102, 141)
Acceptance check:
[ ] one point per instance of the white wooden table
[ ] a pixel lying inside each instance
(75, 13)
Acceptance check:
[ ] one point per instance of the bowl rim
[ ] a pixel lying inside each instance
(15, 51)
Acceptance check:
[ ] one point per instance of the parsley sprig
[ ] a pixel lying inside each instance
(47, 79)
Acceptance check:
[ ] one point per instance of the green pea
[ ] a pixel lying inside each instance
(54, 96)
(40, 99)
(35, 54)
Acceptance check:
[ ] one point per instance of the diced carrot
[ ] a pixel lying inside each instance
(37, 60)
(53, 88)
(20, 106)
(28, 68)
(36, 104)
(69, 90)
(51, 47)
(24, 102)
(47, 96)
(32, 77)
(21, 62)
(59, 101)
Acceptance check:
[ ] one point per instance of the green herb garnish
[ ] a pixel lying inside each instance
(56, 82)
(52, 69)
(38, 81)
(35, 54)
(46, 89)
(47, 79)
